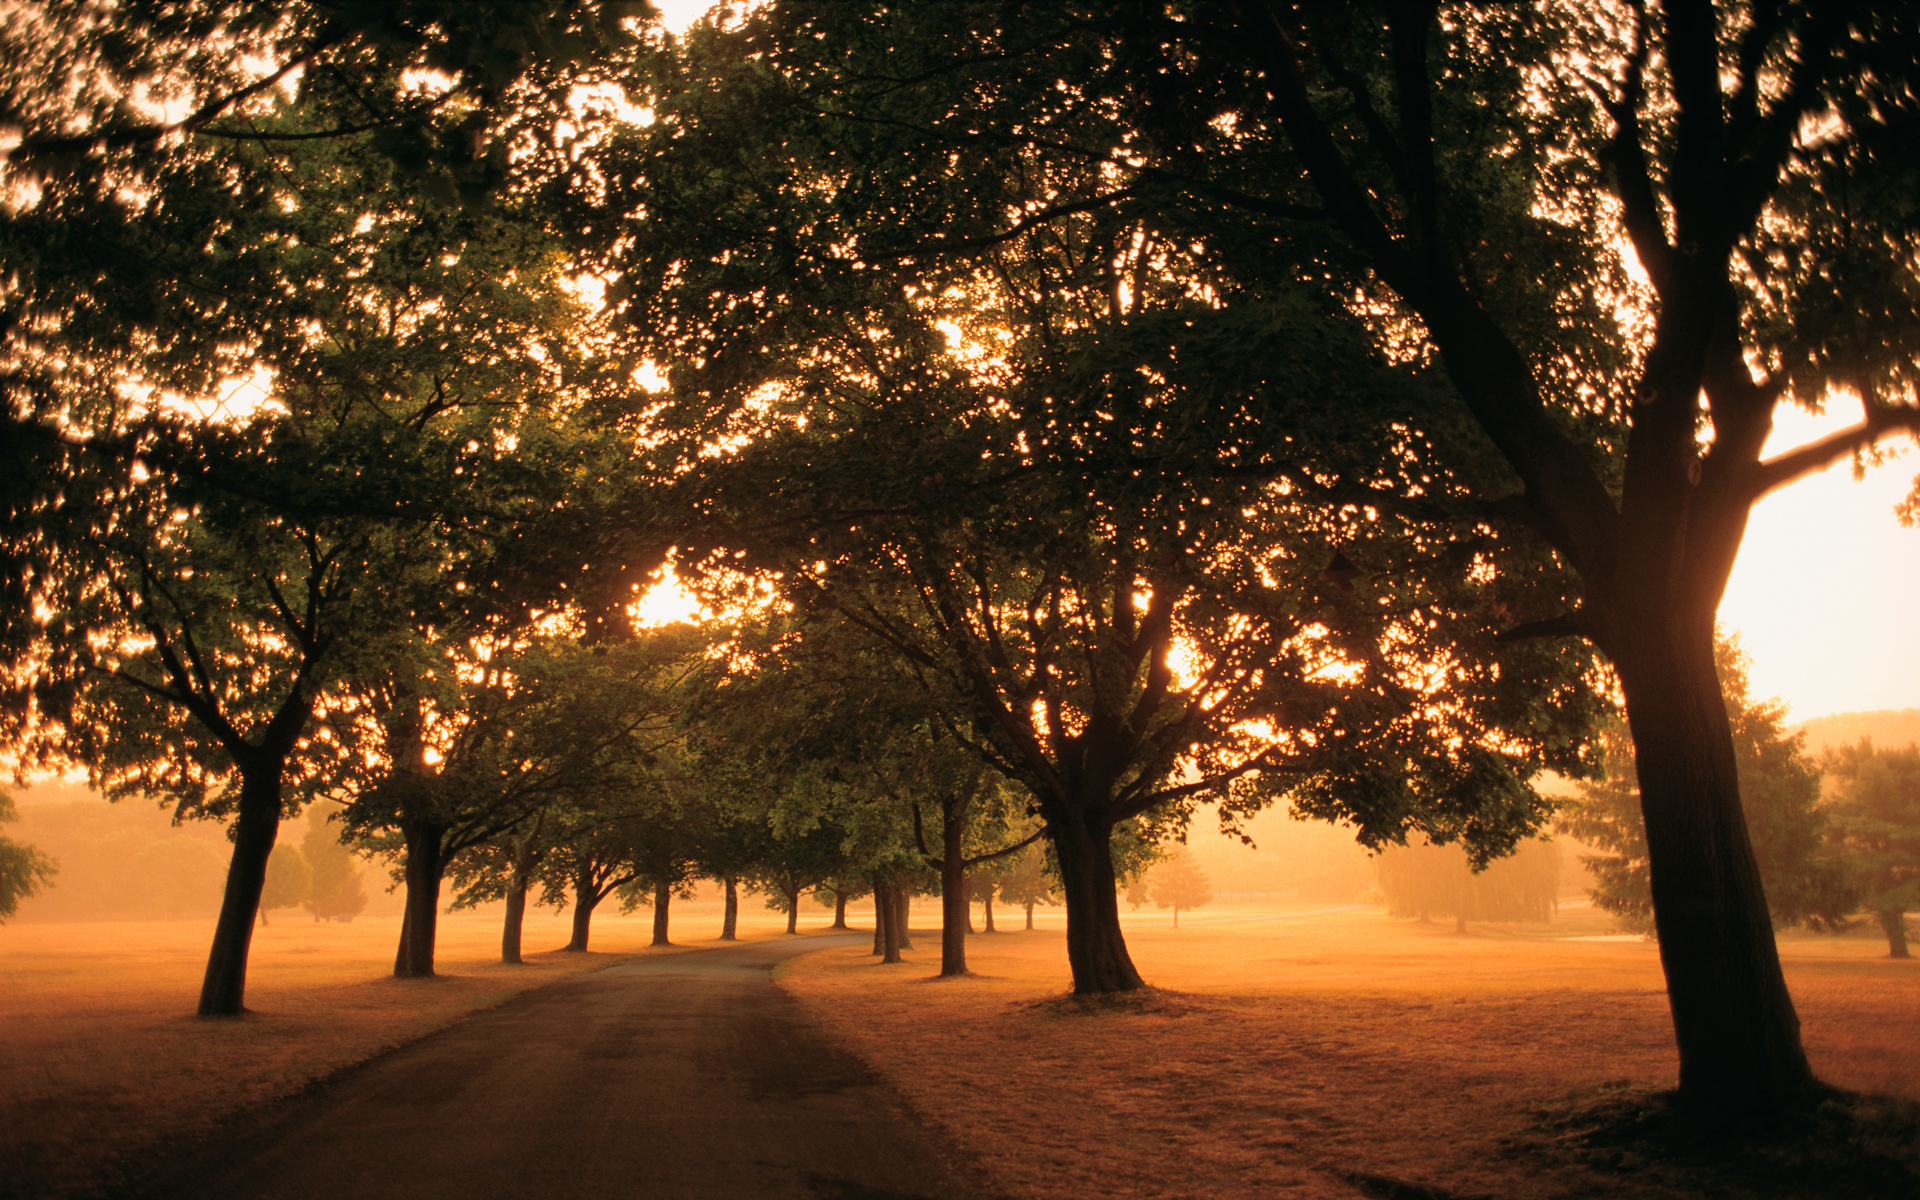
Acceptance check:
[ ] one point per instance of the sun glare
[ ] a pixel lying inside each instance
(1823, 592)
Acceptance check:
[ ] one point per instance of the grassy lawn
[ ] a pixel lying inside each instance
(1323, 1053)
(105, 1063)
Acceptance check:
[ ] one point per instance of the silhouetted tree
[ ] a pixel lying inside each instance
(1875, 816)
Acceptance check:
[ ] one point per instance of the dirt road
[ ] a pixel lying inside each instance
(687, 1075)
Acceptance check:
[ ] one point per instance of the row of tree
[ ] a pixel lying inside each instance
(1082, 413)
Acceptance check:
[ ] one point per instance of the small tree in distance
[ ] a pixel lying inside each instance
(1180, 883)
(1026, 883)
(289, 880)
(335, 891)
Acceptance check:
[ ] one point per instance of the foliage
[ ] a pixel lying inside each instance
(23, 869)
(1779, 787)
(1874, 810)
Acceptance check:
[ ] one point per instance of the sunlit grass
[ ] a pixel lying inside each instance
(1289, 1054)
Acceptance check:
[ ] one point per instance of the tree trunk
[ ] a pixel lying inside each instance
(730, 921)
(1459, 923)
(1096, 951)
(525, 859)
(956, 915)
(516, 919)
(662, 900)
(1030, 905)
(223, 989)
(585, 899)
(882, 916)
(425, 866)
(1734, 1021)
(887, 927)
(840, 908)
(902, 903)
(1893, 922)
(526, 856)
(793, 911)
(986, 902)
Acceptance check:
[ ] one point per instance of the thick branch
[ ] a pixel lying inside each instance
(1880, 420)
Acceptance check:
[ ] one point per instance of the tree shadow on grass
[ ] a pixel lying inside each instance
(1848, 1144)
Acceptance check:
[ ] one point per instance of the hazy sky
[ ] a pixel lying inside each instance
(1826, 594)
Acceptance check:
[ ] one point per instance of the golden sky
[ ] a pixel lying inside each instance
(1826, 595)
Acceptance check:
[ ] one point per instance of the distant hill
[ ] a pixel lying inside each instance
(1889, 728)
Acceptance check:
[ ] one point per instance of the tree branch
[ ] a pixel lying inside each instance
(1880, 420)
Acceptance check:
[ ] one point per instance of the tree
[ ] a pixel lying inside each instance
(23, 869)
(1180, 883)
(1779, 787)
(206, 568)
(1465, 174)
(289, 882)
(1426, 880)
(1026, 884)
(1034, 525)
(1875, 815)
(337, 891)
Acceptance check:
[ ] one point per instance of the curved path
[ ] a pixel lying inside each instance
(683, 1075)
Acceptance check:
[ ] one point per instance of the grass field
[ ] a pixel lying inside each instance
(105, 1066)
(1286, 1051)
(1322, 1054)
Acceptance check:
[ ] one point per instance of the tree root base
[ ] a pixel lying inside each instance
(1840, 1144)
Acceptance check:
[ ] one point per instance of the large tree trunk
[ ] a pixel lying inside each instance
(793, 911)
(840, 908)
(1738, 1034)
(420, 925)
(956, 917)
(1096, 951)
(223, 989)
(1030, 905)
(585, 899)
(730, 920)
(662, 901)
(882, 916)
(1893, 922)
(986, 902)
